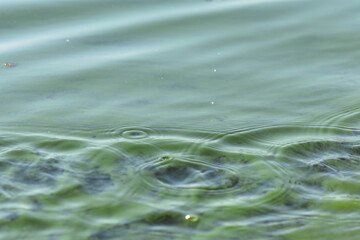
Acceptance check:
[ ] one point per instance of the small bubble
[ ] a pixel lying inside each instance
(215, 70)
(67, 40)
(191, 218)
(212, 103)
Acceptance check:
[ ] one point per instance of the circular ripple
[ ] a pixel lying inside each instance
(134, 133)
(198, 165)
(174, 176)
(186, 174)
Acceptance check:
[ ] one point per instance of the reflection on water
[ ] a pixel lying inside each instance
(185, 119)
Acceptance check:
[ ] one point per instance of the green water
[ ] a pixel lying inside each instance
(222, 119)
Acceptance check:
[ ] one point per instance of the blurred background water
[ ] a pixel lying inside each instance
(218, 119)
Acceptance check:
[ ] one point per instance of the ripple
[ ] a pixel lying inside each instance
(21, 168)
(40, 163)
(348, 116)
(327, 165)
(135, 133)
(324, 156)
(96, 182)
(172, 173)
(198, 165)
(195, 176)
(152, 226)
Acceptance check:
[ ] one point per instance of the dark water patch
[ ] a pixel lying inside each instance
(186, 174)
(171, 218)
(324, 156)
(36, 163)
(327, 157)
(29, 173)
(90, 178)
(213, 185)
(96, 182)
(323, 167)
(42, 174)
(162, 224)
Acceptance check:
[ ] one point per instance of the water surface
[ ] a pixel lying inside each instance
(179, 119)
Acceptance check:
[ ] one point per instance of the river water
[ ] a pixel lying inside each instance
(191, 119)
